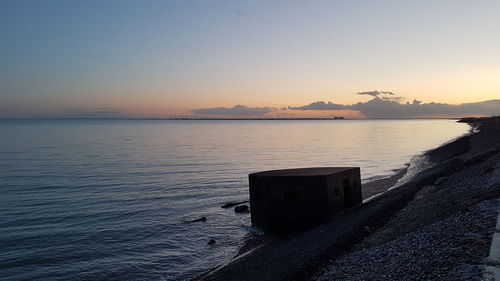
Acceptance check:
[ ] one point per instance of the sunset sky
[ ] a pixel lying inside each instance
(175, 58)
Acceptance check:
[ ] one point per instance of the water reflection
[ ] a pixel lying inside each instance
(107, 199)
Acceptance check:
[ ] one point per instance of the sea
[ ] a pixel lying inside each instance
(110, 199)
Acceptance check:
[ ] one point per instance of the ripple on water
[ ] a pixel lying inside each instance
(108, 199)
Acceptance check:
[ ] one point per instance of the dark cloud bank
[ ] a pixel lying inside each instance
(387, 108)
(383, 105)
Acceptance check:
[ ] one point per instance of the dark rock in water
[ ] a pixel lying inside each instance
(241, 209)
(232, 204)
(203, 219)
(211, 242)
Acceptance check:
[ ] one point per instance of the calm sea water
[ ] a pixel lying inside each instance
(107, 199)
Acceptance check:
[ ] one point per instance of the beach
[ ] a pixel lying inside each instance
(435, 224)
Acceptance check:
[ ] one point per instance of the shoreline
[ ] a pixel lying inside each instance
(370, 189)
(310, 254)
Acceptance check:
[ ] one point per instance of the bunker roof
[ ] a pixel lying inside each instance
(303, 172)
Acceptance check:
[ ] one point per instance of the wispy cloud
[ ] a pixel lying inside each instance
(376, 93)
(97, 113)
(237, 110)
(20, 112)
(239, 12)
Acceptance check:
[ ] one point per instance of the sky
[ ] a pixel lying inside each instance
(211, 58)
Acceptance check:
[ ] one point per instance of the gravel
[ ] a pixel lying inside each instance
(449, 249)
(443, 234)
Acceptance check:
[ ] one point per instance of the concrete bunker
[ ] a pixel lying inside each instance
(288, 200)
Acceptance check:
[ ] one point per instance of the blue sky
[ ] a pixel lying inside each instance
(156, 58)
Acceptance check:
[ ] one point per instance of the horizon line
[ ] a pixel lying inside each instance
(235, 118)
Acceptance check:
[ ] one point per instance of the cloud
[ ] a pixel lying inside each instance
(237, 110)
(383, 105)
(377, 108)
(98, 113)
(392, 98)
(239, 12)
(376, 93)
(390, 108)
(320, 105)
